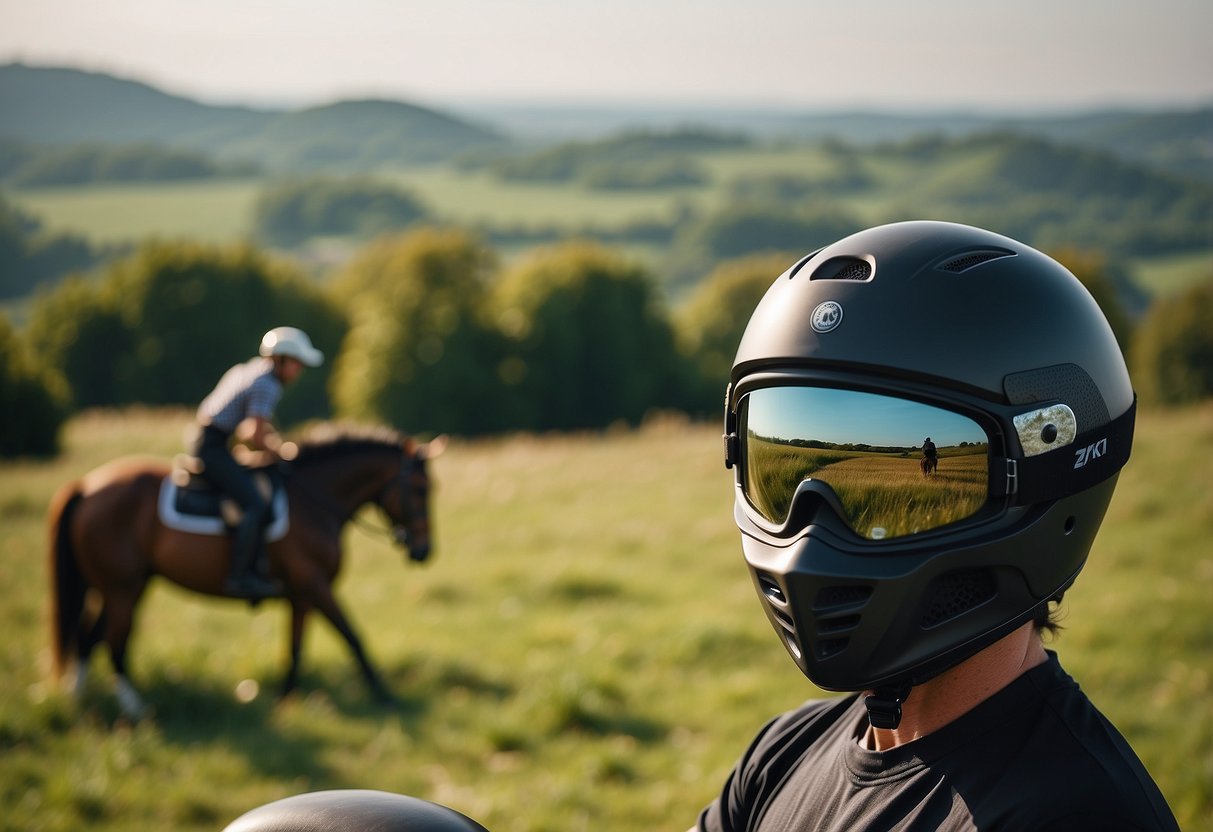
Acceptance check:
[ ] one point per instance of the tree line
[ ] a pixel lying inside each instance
(429, 332)
(27, 165)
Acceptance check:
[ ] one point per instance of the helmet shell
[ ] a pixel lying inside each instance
(945, 302)
(353, 810)
(293, 343)
(948, 311)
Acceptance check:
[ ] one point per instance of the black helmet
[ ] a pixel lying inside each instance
(879, 573)
(353, 810)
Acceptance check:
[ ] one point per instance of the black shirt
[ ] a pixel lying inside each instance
(1035, 756)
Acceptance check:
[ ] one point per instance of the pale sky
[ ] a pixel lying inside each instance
(823, 54)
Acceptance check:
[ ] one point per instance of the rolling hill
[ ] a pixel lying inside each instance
(62, 106)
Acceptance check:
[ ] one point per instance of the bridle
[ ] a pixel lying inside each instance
(411, 466)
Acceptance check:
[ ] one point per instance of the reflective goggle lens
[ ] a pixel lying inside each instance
(871, 450)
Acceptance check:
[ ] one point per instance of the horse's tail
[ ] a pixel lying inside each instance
(67, 582)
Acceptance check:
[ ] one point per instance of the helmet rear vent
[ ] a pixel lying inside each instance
(843, 268)
(956, 593)
(973, 259)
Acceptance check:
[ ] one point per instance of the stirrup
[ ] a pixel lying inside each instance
(251, 586)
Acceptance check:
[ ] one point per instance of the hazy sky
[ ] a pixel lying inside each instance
(1026, 54)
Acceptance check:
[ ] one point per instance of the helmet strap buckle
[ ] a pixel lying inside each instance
(884, 706)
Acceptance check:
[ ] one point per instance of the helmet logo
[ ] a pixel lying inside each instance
(827, 316)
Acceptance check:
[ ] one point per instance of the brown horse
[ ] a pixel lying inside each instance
(928, 464)
(107, 540)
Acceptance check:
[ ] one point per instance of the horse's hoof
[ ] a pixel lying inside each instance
(130, 703)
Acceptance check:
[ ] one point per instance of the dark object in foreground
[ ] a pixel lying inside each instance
(353, 810)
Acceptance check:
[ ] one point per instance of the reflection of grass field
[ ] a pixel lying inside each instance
(882, 491)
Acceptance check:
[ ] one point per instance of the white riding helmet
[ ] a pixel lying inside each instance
(291, 342)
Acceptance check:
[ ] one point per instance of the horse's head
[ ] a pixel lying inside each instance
(406, 500)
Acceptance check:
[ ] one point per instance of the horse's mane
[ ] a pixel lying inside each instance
(325, 440)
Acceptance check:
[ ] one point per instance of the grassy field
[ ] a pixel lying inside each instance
(214, 211)
(584, 652)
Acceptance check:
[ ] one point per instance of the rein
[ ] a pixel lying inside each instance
(394, 533)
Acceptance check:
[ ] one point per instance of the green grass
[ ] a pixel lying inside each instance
(584, 652)
(1169, 275)
(479, 198)
(215, 211)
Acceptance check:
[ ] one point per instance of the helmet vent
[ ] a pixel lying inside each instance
(843, 268)
(833, 597)
(955, 593)
(973, 259)
(771, 589)
(829, 647)
(837, 624)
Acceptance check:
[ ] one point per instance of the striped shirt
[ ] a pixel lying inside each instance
(248, 389)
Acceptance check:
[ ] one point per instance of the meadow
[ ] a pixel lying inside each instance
(583, 652)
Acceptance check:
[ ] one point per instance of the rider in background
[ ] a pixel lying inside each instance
(928, 449)
(243, 403)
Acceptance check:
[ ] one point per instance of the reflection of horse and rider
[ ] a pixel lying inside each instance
(930, 457)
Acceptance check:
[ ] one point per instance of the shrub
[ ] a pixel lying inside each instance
(33, 400)
(420, 353)
(1173, 351)
(589, 342)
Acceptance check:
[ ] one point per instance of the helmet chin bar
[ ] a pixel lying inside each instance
(883, 617)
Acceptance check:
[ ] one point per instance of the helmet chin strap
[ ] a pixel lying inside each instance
(884, 705)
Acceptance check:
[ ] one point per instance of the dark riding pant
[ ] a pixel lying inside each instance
(222, 470)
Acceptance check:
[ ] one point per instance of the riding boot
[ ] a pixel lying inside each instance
(244, 581)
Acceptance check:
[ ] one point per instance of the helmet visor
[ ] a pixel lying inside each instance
(896, 466)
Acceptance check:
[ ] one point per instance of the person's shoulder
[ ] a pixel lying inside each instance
(1083, 761)
(801, 726)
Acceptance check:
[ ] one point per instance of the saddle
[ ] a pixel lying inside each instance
(191, 503)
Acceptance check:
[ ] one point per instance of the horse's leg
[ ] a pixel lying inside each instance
(87, 639)
(120, 618)
(299, 611)
(327, 604)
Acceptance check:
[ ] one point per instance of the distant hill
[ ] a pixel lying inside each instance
(67, 106)
(1177, 141)
(360, 134)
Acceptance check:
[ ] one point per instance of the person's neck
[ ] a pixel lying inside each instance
(955, 692)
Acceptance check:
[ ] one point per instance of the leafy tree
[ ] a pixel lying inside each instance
(634, 176)
(161, 326)
(421, 353)
(1173, 350)
(293, 211)
(33, 400)
(85, 163)
(1109, 287)
(589, 342)
(711, 321)
(79, 331)
(740, 230)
